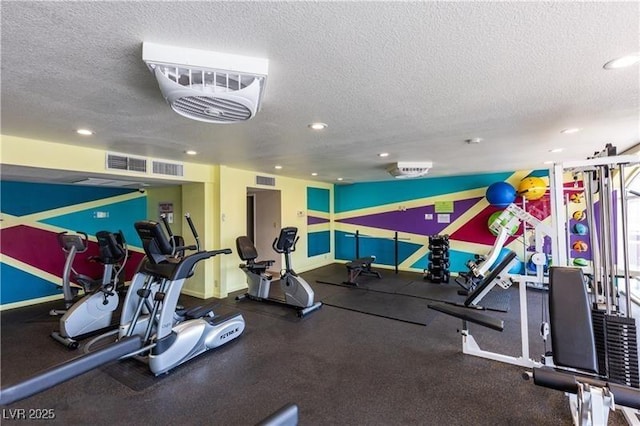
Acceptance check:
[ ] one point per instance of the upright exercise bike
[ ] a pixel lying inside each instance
(71, 245)
(297, 292)
(171, 337)
(95, 311)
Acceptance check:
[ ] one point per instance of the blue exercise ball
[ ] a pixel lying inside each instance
(579, 229)
(515, 269)
(501, 194)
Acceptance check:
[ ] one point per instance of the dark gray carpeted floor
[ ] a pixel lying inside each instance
(340, 367)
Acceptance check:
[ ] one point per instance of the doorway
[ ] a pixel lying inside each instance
(264, 223)
(251, 217)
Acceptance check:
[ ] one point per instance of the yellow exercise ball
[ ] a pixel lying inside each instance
(532, 188)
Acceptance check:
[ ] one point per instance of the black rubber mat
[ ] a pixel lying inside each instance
(385, 284)
(133, 374)
(270, 309)
(402, 284)
(440, 292)
(497, 300)
(393, 306)
(45, 317)
(274, 310)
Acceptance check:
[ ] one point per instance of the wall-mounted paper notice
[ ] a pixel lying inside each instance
(444, 218)
(444, 206)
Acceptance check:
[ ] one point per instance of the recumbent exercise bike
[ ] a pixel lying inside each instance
(298, 294)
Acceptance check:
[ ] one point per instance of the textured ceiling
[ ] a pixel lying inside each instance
(412, 79)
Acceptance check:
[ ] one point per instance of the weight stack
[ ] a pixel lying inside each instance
(617, 348)
(438, 268)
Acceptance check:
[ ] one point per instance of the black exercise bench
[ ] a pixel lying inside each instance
(360, 266)
(576, 353)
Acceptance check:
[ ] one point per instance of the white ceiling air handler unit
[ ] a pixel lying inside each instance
(208, 86)
(410, 169)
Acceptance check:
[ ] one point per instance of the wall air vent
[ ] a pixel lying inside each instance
(108, 182)
(126, 162)
(409, 169)
(169, 169)
(207, 86)
(265, 180)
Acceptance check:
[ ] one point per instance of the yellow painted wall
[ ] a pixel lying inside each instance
(166, 194)
(36, 153)
(216, 201)
(233, 192)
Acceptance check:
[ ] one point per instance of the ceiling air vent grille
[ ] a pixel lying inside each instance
(124, 162)
(265, 180)
(208, 86)
(409, 169)
(169, 169)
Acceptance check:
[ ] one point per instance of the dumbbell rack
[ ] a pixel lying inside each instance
(438, 268)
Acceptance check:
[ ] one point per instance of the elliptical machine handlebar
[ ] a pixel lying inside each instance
(193, 230)
(174, 247)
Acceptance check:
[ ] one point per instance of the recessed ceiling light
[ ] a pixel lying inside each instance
(548, 162)
(278, 167)
(318, 126)
(190, 152)
(383, 154)
(625, 61)
(570, 130)
(84, 132)
(339, 179)
(556, 150)
(314, 174)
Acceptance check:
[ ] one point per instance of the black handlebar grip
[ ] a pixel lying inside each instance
(166, 224)
(190, 222)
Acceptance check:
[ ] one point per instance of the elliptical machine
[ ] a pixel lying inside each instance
(297, 292)
(148, 327)
(94, 312)
(169, 336)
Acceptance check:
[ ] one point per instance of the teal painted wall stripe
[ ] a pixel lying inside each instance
(22, 198)
(318, 199)
(371, 194)
(319, 243)
(457, 261)
(122, 216)
(381, 248)
(18, 285)
(539, 173)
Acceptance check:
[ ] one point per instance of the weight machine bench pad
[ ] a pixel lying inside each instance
(360, 266)
(572, 336)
